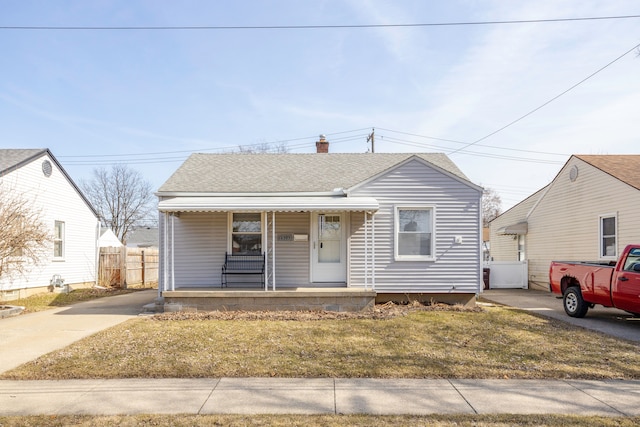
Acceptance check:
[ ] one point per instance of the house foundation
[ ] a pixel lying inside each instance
(329, 299)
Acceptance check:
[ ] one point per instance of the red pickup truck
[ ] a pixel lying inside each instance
(585, 284)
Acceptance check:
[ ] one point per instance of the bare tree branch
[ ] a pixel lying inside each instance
(24, 236)
(491, 206)
(122, 197)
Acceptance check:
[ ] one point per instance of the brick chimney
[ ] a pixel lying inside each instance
(322, 146)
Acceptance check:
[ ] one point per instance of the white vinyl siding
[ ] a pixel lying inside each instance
(58, 200)
(292, 257)
(456, 207)
(565, 223)
(200, 242)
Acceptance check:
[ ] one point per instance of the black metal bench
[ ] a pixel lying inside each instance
(242, 264)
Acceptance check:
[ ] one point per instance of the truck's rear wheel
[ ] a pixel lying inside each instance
(574, 305)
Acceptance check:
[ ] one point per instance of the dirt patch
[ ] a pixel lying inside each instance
(388, 310)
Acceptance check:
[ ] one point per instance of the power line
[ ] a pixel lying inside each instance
(549, 101)
(158, 157)
(476, 153)
(304, 27)
(478, 145)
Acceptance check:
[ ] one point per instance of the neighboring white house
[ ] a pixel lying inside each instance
(108, 239)
(589, 212)
(71, 220)
(399, 223)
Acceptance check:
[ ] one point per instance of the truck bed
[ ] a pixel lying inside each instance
(594, 279)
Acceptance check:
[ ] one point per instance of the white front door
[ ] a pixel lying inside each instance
(328, 248)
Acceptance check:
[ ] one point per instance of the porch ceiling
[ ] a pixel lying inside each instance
(267, 203)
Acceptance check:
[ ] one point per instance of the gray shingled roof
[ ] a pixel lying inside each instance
(11, 158)
(270, 173)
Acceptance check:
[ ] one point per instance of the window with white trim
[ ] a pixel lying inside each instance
(246, 233)
(58, 240)
(608, 239)
(521, 248)
(414, 236)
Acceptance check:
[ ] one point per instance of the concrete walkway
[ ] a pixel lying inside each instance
(29, 336)
(24, 338)
(609, 321)
(318, 396)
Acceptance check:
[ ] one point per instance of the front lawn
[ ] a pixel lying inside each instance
(496, 342)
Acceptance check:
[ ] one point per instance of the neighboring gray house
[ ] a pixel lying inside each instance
(396, 223)
(144, 237)
(589, 212)
(71, 221)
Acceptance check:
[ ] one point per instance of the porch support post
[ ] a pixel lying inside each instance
(366, 250)
(265, 251)
(273, 250)
(165, 252)
(373, 251)
(173, 277)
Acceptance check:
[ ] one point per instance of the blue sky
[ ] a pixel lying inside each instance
(149, 98)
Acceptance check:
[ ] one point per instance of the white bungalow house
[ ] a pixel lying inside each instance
(389, 225)
(589, 212)
(73, 225)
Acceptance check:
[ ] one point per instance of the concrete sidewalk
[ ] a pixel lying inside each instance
(26, 337)
(318, 396)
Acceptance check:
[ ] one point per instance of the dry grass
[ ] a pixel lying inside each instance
(49, 300)
(496, 342)
(321, 420)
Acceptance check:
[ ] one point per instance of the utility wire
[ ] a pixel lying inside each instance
(305, 27)
(135, 158)
(479, 145)
(548, 102)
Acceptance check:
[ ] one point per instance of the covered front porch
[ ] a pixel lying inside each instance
(318, 252)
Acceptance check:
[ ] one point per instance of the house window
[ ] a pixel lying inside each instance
(608, 240)
(246, 233)
(414, 238)
(58, 240)
(521, 253)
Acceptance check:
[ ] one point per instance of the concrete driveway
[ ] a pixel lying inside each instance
(29, 336)
(610, 321)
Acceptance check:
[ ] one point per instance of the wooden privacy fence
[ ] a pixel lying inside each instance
(122, 267)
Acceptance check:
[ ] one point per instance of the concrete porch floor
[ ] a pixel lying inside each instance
(257, 299)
